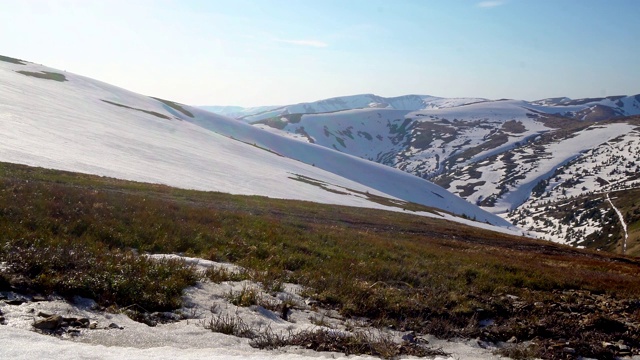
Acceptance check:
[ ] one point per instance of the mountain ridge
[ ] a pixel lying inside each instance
(458, 147)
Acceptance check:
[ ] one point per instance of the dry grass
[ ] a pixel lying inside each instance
(411, 272)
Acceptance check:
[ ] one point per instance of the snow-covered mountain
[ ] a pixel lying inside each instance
(364, 101)
(238, 111)
(64, 121)
(496, 154)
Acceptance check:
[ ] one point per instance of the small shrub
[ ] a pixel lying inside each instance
(520, 351)
(247, 296)
(320, 321)
(220, 274)
(360, 343)
(230, 325)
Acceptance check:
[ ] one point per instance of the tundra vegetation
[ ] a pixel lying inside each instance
(76, 234)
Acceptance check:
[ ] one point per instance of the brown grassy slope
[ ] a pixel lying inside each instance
(628, 202)
(397, 269)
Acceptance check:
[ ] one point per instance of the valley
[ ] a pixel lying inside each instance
(508, 157)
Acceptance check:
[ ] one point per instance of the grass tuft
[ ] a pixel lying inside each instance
(359, 343)
(230, 325)
(247, 296)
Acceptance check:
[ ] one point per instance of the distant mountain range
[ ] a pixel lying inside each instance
(521, 160)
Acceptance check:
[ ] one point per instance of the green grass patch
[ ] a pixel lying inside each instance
(47, 75)
(112, 277)
(12, 60)
(156, 114)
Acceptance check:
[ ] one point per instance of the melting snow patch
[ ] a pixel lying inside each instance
(116, 336)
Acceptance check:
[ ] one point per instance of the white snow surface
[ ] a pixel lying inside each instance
(559, 153)
(187, 338)
(397, 138)
(69, 126)
(361, 101)
(238, 112)
(532, 166)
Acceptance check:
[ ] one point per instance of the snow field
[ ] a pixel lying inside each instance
(69, 126)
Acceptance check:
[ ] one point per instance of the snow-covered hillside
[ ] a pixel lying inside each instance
(60, 120)
(238, 111)
(592, 109)
(609, 167)
(496, 154)
(363, 101)
(504, 183)
(424, 142)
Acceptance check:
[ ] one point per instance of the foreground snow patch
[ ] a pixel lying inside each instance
(188, 338)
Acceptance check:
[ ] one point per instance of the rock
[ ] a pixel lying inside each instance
(50, 323)
(38, 298)
(569, 350)
(44, 314)
(166, 316)
(513, 340)
(4, 283)
(285, 311)
(114, 326)
(410, 337)
(76, 322)
(18, 301)
(1, 320)
(93, 326)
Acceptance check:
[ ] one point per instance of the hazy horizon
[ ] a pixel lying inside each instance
(257, 52)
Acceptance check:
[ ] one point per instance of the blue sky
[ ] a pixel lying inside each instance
(265, 52)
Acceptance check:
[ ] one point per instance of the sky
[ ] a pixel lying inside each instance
(272, 52)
